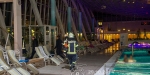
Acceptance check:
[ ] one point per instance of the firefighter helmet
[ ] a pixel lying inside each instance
(71, 35)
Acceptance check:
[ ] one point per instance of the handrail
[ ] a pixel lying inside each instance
(133, 63)
(130, 71)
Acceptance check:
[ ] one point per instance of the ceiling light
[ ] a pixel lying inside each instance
(128, 2)
(148, 1)
(142, 7)
(132, 2)
(103, 7)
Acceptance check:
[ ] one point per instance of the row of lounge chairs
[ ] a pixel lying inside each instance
(84, 47)
(9, 65)
(12, 66)
(42, 52)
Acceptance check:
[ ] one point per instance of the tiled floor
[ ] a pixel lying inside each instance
(91, 62)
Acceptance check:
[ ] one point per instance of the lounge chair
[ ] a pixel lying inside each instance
(2, 71)
(33, 69)
(46, 58)
(13, 59)
(8, 48)
(4, 53)
(12, 71)
(16, 63)
(56, 57)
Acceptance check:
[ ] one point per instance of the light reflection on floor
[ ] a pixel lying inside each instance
(94, 62)
(112, 49)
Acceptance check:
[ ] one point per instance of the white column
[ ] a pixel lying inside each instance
(17, 26)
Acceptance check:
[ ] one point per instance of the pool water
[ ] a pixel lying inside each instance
(140, 67)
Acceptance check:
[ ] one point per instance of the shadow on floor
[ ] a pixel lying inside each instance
(66, 67)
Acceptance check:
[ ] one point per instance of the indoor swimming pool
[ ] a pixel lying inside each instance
(140, 66)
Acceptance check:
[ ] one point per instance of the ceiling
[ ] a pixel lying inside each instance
(130, 8)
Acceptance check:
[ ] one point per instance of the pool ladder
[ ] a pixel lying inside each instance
(132, 50)
(133, 47)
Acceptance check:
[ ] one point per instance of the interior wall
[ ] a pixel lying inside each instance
(127, 25)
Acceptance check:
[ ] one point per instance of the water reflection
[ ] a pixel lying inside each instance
(112, 49)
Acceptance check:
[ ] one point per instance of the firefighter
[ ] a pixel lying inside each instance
(71, 50)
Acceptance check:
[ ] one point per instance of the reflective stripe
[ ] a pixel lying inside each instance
(71, 52)
(68, 48)
(70, 43)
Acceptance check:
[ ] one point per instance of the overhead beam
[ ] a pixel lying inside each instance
(3, 27)
(77, 12)
(3, 1)
(36, 12)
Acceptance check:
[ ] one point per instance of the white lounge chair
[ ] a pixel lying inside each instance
(13, 59)
(48, 54)
(4, 53)
(17, 63)
(46, 58)
(33, 69)
(2, 71)
(12, 71)
(8, 48)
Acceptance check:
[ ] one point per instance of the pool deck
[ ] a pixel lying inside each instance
(92, 63)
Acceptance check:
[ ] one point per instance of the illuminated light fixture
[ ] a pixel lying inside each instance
(132, 2)
(81, 34)
(118, 30)
(99, 23)
(129, 34)
(124, 0)
(78, 34)
(101, 31)
(128, 30)
(148, 1)
(32, 30)
(8, 30)
(103, 7)
(128, 2)
(124, 29)
(142, 7)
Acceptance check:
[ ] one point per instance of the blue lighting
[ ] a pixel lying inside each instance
(140, 45)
